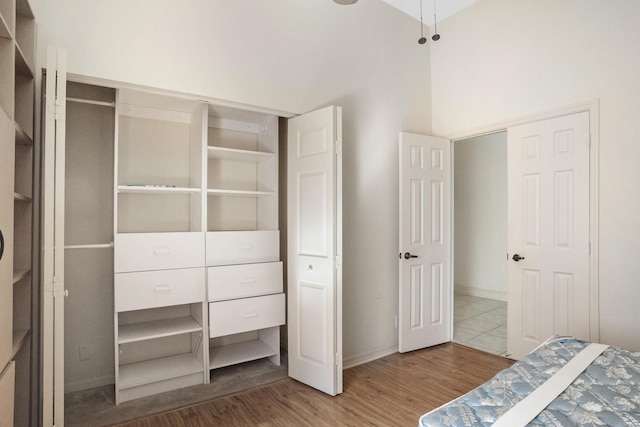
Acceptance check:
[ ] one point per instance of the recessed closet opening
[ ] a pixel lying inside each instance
(480, 242)
(196, 185)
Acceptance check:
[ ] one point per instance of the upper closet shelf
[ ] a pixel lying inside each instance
(239, 193)
(221, 153)
(155, 189)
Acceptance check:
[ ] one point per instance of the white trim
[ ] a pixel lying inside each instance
(593, 108)
(96, 81)
(70, 387)
(360, 359)
(480, 292)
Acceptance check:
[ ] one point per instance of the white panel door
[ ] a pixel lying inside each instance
(53, 239)
(548, 173)
(314, 284)
(425, 312)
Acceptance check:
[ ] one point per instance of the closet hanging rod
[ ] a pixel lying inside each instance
(96, 246)
(89, 101)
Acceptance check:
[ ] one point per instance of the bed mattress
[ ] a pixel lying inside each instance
(606, 393)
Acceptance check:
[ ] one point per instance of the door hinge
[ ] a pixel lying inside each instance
(338, 146)
(338, 261)
(59, 108)
(56, 288)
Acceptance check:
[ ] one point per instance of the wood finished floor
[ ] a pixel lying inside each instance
(393, 391)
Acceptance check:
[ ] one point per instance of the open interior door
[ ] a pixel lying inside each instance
(548, 214)
(314, 249)
(53, 239)
(425, 312)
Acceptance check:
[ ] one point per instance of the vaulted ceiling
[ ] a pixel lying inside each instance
(443, 8)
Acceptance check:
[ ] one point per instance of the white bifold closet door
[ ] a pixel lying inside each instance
(314, 227)
(53, 239)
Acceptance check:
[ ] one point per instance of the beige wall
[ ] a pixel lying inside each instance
(292, 56)
(500, 60)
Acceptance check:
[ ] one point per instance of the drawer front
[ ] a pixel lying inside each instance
(247, 314)
(155, 251)
(246, 280)
(242, 247)
(149, 289)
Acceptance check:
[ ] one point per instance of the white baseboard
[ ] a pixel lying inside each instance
(481, 293)
(70, 387)
(359, 359)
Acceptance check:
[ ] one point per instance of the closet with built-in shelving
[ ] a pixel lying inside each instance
(17, 148)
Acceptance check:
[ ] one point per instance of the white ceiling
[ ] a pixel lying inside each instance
(444, 8)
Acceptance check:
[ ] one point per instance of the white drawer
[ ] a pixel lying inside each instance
(245, 280)
(155, 251)
(247, 314)
(149, 289)
(242, 247)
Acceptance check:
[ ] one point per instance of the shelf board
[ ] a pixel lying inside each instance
(20, 274)
(22, 66)
(5, 32)
(22, 137)
(221, 153)
(18, 197)
(144, 189)
(239, 193)
(157, 329)
(232, 354)
(19, 337)
(150, 371)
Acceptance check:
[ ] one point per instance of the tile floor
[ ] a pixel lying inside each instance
(480, 323)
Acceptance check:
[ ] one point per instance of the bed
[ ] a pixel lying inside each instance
(607, 392)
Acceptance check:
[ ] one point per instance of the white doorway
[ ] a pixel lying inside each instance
(480, 242)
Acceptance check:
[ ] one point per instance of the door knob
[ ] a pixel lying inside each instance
(517, 257)
(407, 255)
(1, 244)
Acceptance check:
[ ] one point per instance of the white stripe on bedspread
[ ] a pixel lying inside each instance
(528, 408)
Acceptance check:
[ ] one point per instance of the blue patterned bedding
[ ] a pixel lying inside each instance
(606, 393)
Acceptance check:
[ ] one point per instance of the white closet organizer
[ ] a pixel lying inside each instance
(244, 274)
(159, 280)
(198, 278)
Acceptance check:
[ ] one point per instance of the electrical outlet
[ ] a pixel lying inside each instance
(84, 352)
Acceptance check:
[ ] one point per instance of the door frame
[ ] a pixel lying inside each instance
(593, 108)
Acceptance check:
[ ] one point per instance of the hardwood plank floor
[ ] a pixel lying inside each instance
(392, 391)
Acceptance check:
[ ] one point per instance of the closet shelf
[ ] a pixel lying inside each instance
(20, 274)
(21, 197)
(143, 373)
(157, 329)
(221, 153)
(22, 137)
(241, 352)
(19, 338)
(150, 189)
(4, 28)
(22, 66)
(239, 193)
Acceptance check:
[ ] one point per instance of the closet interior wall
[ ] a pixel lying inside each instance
(88, 319)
